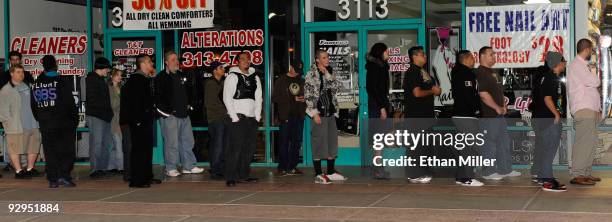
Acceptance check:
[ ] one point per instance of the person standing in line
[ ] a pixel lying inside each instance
(99, 116)
(116, 163)
(288, 94)
(497, 140)
(547, 122)
(377, 86)
(585, 106)
(242, 95)
(55, 110)
(173, 105)
(466, 112)
(320, 92)
(217, 119)
(137, 111)
(419, 91)
(14, 59)
(22, 134)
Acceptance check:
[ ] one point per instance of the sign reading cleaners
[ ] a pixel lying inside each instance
(519, 34)
(167, 14)
(69, 48)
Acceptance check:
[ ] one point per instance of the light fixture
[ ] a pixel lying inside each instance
(536, 2)
(271, 15)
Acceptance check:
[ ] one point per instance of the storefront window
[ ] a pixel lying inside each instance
(347, 10)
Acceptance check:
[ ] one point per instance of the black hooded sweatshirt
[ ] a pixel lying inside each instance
(465, 91)
(377, 86)
(52, 102)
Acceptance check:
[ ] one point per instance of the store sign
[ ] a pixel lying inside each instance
(519, 34)
(201, 48)
(167, 14)
(343, 62)
(69, 49)
(125, 52)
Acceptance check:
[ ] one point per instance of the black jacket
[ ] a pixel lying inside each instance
(97, 95)
(164, 97)
(137, 100)
(52, 103)
(465, 91)
(377, 83)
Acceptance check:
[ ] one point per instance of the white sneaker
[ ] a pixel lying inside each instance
(173, 173)
(322, 179)
(193, 170)
(337, 177)
(494, 176)
(470, 183)
(514, 173)
(423, 179)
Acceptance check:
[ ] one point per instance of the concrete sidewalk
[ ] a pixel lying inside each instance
(297, 198)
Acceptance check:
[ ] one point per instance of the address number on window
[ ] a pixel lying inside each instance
(376, 8)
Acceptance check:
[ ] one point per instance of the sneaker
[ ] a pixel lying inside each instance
(514, 173)
(322, 179)
(282, 173)
(33, 172)
(22, 174)
(295, 172)
(337, 177)
(193, 170)
(173, 173)
(469, 183)
(423, 179)
(537, 180)
(493, 176)
(66, 183)
(554, 186)
(53, 184)
(97, 174)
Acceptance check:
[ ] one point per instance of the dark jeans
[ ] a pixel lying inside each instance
(141, 155)
(419, 125)
(467, 126)
(291, 132)
(218, 132)
(60, 150)
(240, 149)
(126, 145)
(548, 136)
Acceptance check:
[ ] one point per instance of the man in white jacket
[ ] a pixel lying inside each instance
(242, 96)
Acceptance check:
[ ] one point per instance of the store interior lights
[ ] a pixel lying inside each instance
(536, 2)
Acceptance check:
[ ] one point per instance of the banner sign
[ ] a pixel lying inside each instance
(167, 14)
(69, 49)
(519, 34)
(125, 52)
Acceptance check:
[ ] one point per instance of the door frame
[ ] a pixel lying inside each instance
(351, 156)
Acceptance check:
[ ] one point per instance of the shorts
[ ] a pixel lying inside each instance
(27, 142)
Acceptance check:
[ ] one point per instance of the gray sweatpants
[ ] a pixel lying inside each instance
(324, 138)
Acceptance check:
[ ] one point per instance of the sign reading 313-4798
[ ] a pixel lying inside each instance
(167, 14)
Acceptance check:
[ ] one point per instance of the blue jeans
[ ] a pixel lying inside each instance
(100, 139)
(218, 139)
(178, 142)
(116, 153)
(291, 132)
(497, 146)
(548, 136)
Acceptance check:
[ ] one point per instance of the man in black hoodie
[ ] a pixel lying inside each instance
(466, 111)
(99, 116)
(54, 108)
(137, 111)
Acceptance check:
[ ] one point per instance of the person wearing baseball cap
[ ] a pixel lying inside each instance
(218, 119)
(547, 110)
(99, 115)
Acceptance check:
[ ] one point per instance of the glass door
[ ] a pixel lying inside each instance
(348, 47)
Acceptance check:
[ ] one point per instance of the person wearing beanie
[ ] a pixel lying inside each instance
(55, 110)
(99, 115)
(547, 112)
(173, 100)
